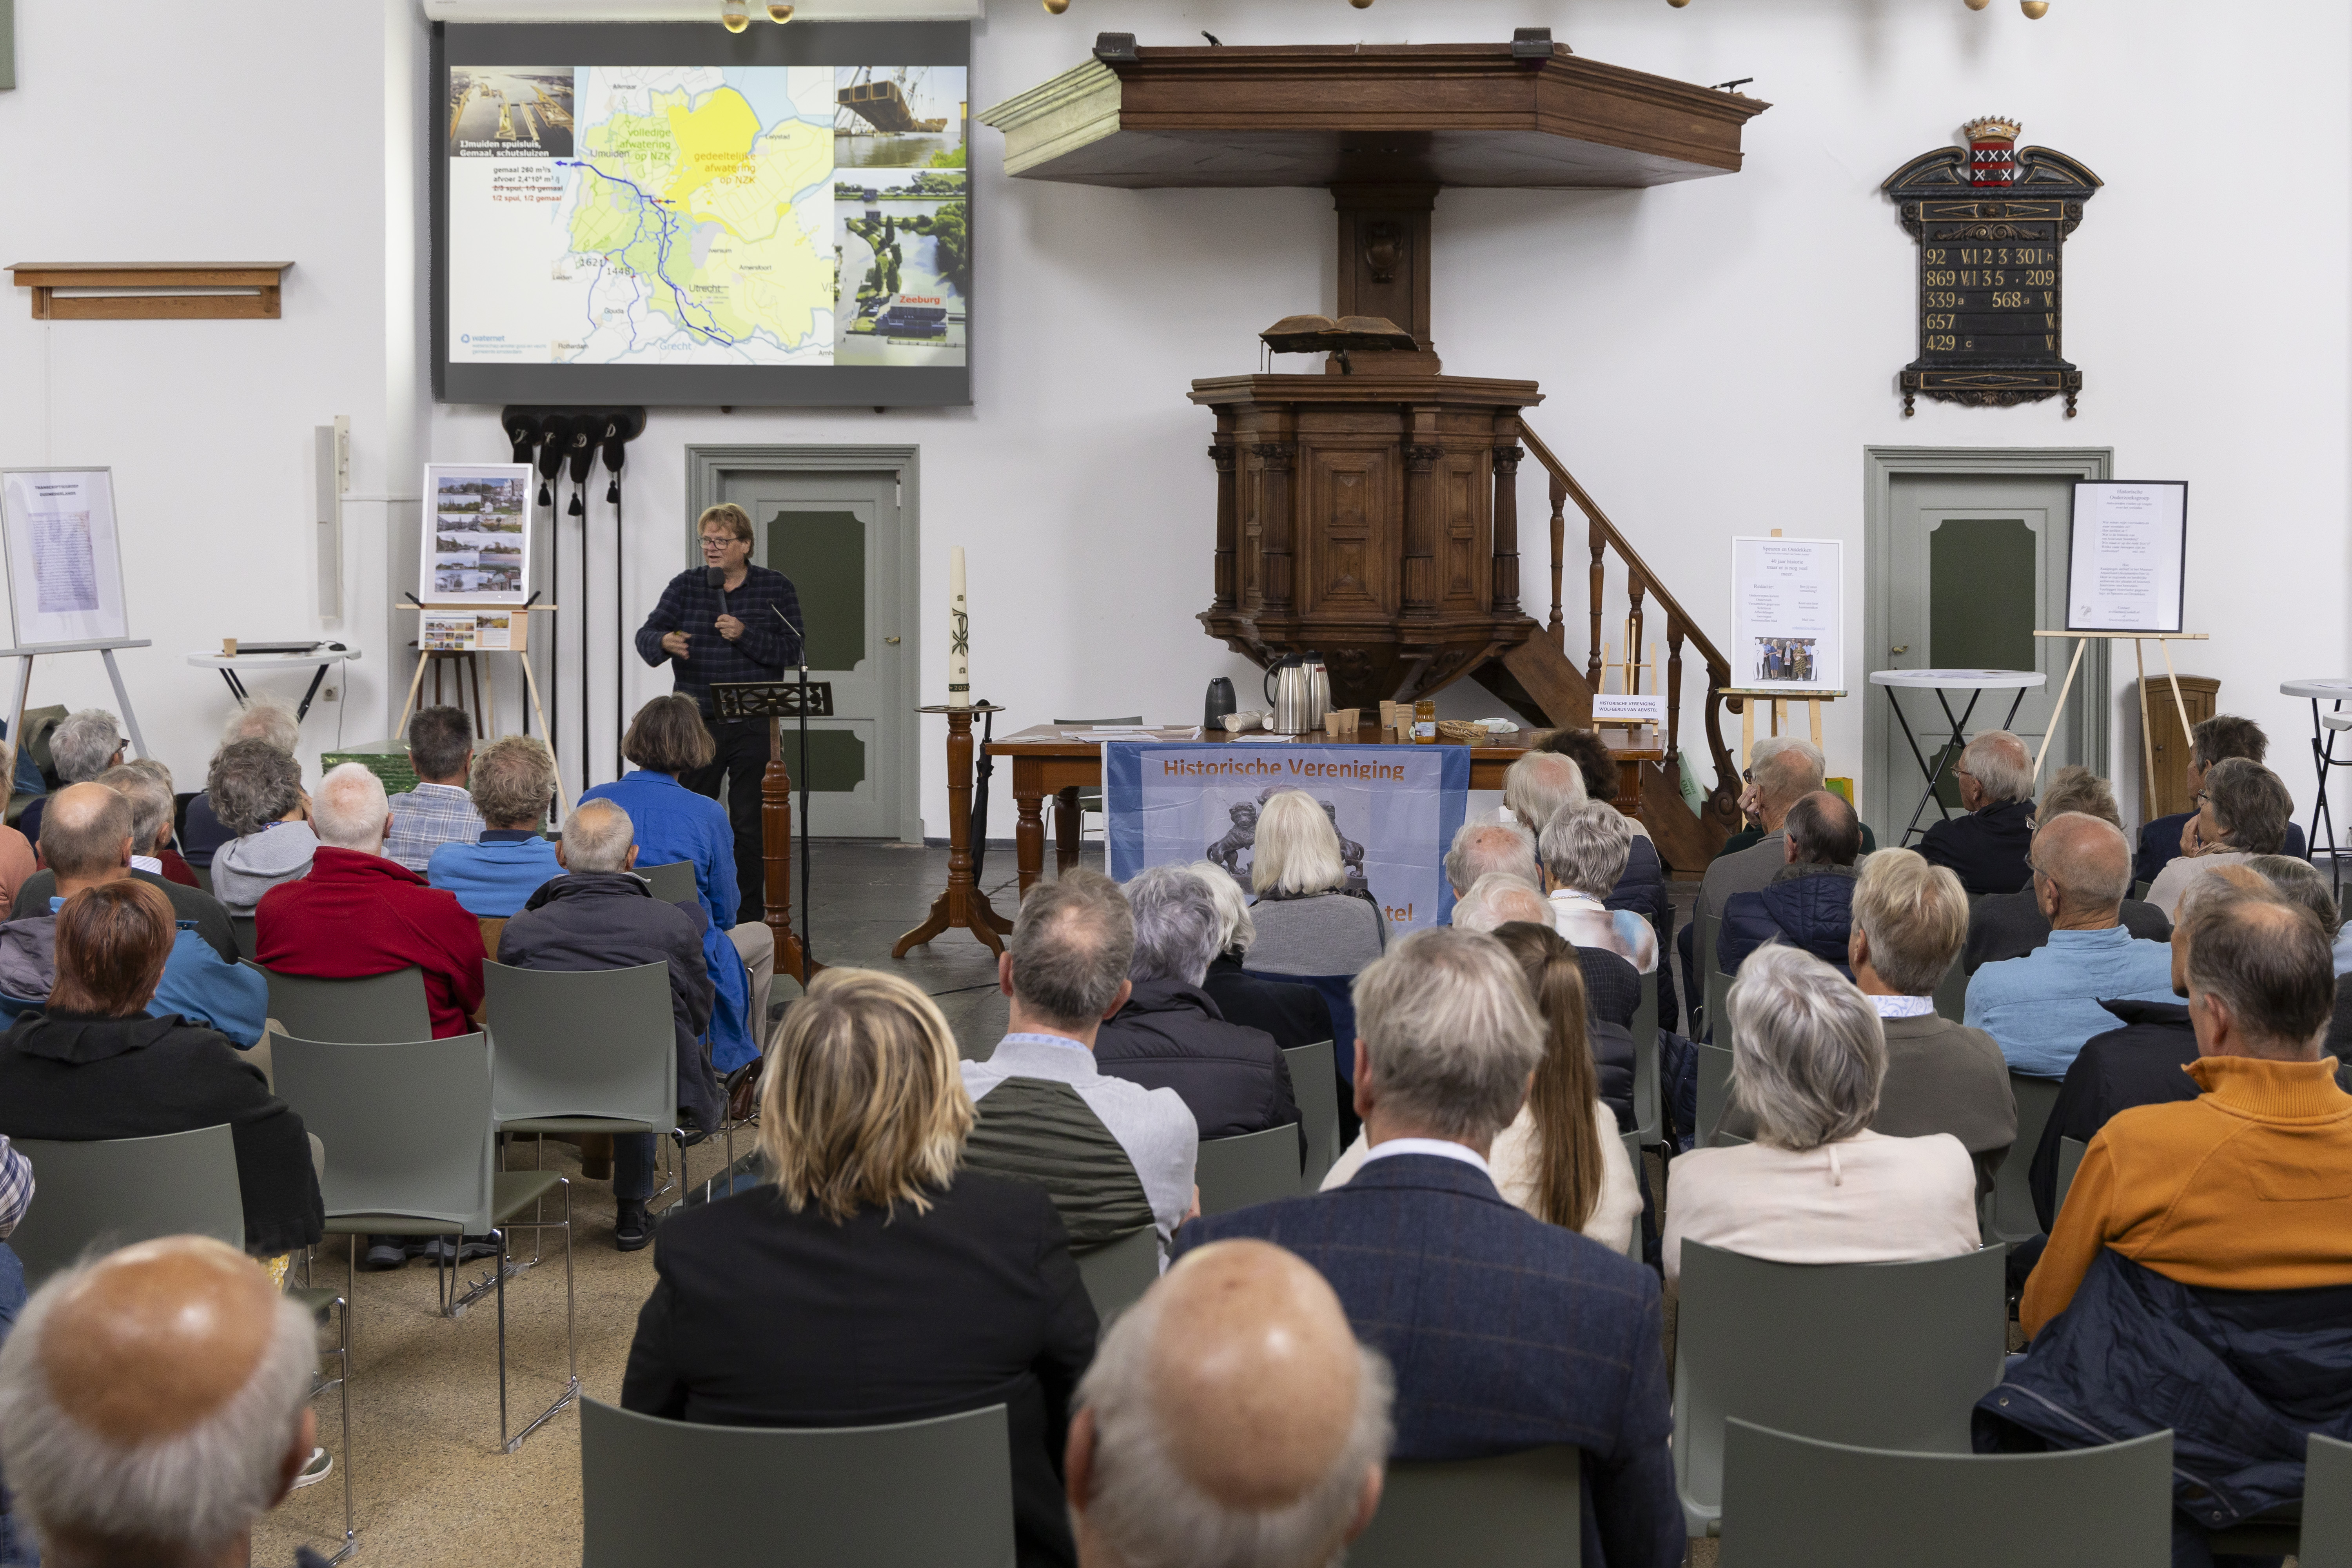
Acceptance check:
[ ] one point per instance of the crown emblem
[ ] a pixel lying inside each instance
(1992, 128)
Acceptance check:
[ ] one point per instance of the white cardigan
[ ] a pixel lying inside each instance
(1864, 1199)
(1513, 1160)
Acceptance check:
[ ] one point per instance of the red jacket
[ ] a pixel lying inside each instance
(358, 914)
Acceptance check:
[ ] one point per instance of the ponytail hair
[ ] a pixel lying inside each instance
(1566, 1084)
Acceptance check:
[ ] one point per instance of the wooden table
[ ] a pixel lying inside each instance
(1059, 760)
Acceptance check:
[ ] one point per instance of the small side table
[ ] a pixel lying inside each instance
(962, 907)
(2335, 690)
(1977, 682)
(229, 664)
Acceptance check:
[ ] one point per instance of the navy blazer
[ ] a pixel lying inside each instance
(1504, 1333)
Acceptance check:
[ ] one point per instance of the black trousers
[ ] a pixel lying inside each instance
(742, 761)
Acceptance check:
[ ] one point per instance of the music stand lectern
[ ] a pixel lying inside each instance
(776, 700)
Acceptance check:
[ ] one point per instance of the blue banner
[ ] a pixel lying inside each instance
(1396, 808)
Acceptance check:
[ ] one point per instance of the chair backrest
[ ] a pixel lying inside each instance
(2014, 1219)
(380, 1010)
(2070, 1160)
(672, 882)
(1891, 1356)
(2327, 1504)
(805, 1497)
(583, 1042)
(1116, 1276)
(240, 928)
(111, 1192)
(1791, 1501)
(1718, 1002)
(1513, 1510)
(1251, 1168)
(1714, 1088)
(409, 1123)
(1315, 1084)
(1952, 994)
(1645, 1059)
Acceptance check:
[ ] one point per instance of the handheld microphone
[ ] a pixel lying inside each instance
(716, 577)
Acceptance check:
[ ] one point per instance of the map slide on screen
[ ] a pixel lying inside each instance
(689, 216)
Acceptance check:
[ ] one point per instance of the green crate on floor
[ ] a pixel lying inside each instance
(387, 760)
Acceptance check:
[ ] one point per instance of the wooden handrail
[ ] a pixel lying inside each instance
(1603, 537)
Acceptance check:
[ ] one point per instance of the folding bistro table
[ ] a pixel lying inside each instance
(1974, 681)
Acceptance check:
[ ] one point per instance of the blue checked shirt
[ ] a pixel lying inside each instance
(426, 817)
(15, 1186)
(691, 605)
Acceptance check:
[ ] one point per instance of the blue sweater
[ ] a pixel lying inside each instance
(2040, 1008)
(495, 875)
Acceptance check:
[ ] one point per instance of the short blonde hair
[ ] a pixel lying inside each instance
(1298, 849)
(862, 1103)
(514, 780)
(727, 515)
(1916, 916)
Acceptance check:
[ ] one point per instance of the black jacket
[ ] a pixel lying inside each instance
(1642, 889)
(761, 1316)
(610, 919)
(1233, 1079)
(2011, 925)
(1984, 848)
(1293, 1015)
(208, 914)
(74, 1079)
(1804, 906)
(1613, 995)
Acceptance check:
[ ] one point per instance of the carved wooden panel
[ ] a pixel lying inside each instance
(1351, 553)
(1463, 572)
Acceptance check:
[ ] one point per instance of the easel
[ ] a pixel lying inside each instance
(519, 642)
(2163, 641)
(104, 648)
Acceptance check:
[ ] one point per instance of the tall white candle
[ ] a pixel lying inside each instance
(959, 634)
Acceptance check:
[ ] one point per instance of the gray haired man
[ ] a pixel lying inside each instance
(1113, 1155)
(81, 747)
(1987, 848)
(1172, 1034)
(1481, 847)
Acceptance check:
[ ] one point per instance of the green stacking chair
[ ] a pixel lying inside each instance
(1118, 1274)
(380, 1010)
(583, 1051)
(1951, 997)
(1315, 1084)
(1089, 798)
(1514, 1510)
(1647, 1125)
(1714, 1089)
(1250, 1168)
(2070, 1160)
(2324, 1537)
(672, 882)
(2014, 1219)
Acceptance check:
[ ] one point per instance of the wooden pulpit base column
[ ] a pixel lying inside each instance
(963, 907)
(776, 861)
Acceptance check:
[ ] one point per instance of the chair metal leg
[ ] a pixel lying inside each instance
(498, 1272)
(571, 1328)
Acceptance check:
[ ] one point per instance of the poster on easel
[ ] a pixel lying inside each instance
(476, 533)
(1788, 606)
(65, 560)
(471, 631)
(2128, 555)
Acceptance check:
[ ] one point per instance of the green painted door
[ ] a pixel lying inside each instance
(1977, 564)
(838, 537)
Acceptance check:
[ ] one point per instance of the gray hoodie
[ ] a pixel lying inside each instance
(244, 868)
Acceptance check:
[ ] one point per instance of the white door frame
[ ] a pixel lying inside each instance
(707, 467)
(1881, 466)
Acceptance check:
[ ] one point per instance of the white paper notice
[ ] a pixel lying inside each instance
(65, 565)
(2124, 565)
(1788, 599)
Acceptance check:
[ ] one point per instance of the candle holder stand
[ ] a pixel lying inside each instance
(963, 906)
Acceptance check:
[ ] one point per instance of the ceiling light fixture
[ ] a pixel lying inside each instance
(780, 13)
(1977, 4)
(2037, 9)
(1057, 6)
(734, 16)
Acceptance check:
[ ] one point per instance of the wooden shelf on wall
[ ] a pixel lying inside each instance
(256, 284)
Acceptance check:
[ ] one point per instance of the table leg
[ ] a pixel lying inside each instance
(2323, 756)
(1918, 756)
(1068, 823)
(1028, 835)
(303, 711)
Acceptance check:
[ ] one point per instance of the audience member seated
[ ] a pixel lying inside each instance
(1229, 1417)
(154, 1404)
(1506, 1332)
(1113, 1155)
(1537, 786)
(673, 824)
(1171, 1035)
(1612, 987)
(1293, 1015)
(2011, 925)
(262, 718)
(1986, 848)
(1941, 1077)
(2199, 1274)
(96, 1065)
(600, 917)
(514, 780)
(2242, 811)
(86, 837)
(1781, 770)
(1480, 848)
(1809, 904)
(168, 862)
(2301, 882)
(1498, 899)
(1562, 1158)
(1584, 848)
(876, 1281)
(1816, 1185)
(151, 820)
(81, 747)
(440, 809)
(257, 791)
(2042, 1008)
(1310, 926)
(358, 914)
(1642, 886)
(2166, 838)
(16, 864)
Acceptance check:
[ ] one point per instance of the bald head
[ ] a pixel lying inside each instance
(156, 1397)
(1480, 848)
(1231, 1418)
(1822, 830)
(2082, 867)
(86, 834)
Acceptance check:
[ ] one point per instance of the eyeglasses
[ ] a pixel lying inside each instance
(2201, 797)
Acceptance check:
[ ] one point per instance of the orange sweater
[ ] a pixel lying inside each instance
(2247, 1187)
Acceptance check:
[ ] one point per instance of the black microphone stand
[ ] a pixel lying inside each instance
(801, 639)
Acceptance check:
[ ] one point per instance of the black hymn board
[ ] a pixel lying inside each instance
(1991, 219)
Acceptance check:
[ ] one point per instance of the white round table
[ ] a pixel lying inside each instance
(1976, 682)
(325, 656)
(2335, 689)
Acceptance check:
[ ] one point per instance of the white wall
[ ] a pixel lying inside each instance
(1715, 354)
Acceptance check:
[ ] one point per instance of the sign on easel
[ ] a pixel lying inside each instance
(2126, 557)
(65, 562)
(1788, 609)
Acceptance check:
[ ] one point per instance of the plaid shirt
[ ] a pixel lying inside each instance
(426, 817)
(691, 605)
(15, 1186)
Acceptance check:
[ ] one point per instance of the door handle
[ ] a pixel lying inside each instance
(1902, 648)
(892, 641)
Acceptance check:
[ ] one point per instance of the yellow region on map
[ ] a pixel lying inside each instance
(698, 202)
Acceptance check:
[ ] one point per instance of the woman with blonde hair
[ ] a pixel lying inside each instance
(1313, 928)
(872, 1280)
(1561, 1159)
